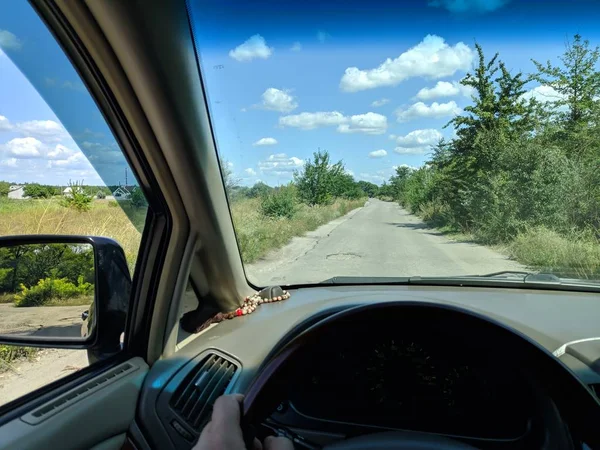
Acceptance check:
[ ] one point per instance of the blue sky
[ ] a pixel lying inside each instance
(299, 78)
(372, 85)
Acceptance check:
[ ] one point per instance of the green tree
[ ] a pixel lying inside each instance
(259, 189)
(78, 198)
(229, 179)
(369, 189)
(36, 190)
(320, 181)
(577, 81)
(138, 200)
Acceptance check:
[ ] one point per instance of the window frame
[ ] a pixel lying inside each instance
(157, 227)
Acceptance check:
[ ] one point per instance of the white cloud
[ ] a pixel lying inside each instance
(5, 124)
(380, 102)
(255, 47)
(392, 137)
(466, 6)
(431, 58)
(369, 123)
(48, 130)
(543, 94)
(322, 36)
(377, 154)
(74, 161)
(296, 47)
(10, 162)
(278, 100)
(378, 177)
(250, 171)
(9, 41)
(60, 152)
(308, 121)
(417, 142)
(265, 141)
(435, 111)
(411, 150)
(444, 89)
(280, 164)
(24, 148)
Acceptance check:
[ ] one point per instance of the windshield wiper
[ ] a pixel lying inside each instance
(526, 277)
(366, 280)
(504, 278)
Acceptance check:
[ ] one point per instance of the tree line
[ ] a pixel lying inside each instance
(319, 182)
(517, 164)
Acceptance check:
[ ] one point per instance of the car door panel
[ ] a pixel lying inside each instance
(95, 414)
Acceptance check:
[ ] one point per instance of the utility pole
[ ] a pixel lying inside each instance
(125, 176)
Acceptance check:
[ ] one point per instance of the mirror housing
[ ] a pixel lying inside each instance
(106, 317)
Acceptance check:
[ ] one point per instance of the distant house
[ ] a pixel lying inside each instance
(68, 191)
(122, 193)
(16, 192)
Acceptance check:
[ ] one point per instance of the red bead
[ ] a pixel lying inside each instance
(238, 312)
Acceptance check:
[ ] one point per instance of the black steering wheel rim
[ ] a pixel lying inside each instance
(567, 393)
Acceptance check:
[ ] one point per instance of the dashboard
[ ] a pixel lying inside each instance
(425, 377)
(430, 375)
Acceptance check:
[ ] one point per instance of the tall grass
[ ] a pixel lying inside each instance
(258, 234)
(49, 217)
(10, 353)
(576, 255)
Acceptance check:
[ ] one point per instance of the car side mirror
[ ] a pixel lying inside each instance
(63, 292)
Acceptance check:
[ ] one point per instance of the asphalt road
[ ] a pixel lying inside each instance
(380, 239)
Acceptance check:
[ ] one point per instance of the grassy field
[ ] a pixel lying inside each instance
(256, 233)
(50, 217)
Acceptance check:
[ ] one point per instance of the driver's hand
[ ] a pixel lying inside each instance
(224, 432)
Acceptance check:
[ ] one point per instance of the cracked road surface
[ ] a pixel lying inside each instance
(380, 239)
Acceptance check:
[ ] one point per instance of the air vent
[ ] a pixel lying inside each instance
(55, 406)
(194, 398)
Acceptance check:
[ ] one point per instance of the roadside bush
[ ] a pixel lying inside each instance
(279, 203)
(435, 213)
(48, 289)
(113, 203)
(4, 186)
(353, 193)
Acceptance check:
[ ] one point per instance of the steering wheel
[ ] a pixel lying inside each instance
(559, 396)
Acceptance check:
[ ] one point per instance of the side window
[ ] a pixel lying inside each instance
(61, 172)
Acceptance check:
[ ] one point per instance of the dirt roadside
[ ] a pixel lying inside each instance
(47, 365)
(23, 376)
(55, 321)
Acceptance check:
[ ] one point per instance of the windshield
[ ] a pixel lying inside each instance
(421, 138)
